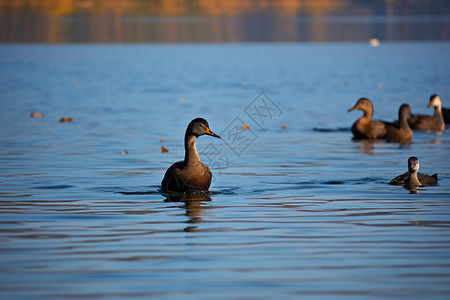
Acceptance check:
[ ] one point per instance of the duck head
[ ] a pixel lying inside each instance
(435, 101)
(363, 104)
(199, 127)
(413, 164)
(405, 110)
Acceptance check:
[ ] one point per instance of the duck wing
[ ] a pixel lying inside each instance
(377, 129)
(170, 181)
(411, 121)
(400, 179)
(427, 179)
(392, 125)
(421, 122)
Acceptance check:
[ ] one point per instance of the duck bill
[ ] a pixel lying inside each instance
(352, 109)
(209, 132)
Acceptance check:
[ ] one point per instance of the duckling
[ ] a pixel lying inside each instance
(434, 123)
(190, 173)
(401, 132)
(412, 178)
(365, 127)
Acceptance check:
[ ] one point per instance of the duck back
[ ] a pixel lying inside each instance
(427, 179)
(423, 178)
(182, 178)
(423, 122)
(374, 129)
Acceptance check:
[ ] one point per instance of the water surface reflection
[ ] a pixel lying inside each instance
(193, 207)
(300, 212)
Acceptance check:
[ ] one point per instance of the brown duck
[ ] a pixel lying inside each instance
(412, 178)
(365, 127)
(400, 132)
(435, 122)
(190, 174)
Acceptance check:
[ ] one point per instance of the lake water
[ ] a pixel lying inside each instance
(294, 212)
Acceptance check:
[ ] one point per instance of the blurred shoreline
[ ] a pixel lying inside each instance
(202, 21)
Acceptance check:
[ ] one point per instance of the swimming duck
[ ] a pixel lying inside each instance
(365, 127)
(400, 132)
(434, 123)
(190, 173)
(412, 178)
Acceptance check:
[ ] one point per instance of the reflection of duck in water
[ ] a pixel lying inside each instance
(412, 178)
(190, 174)
(434, 123)
(193, 206)
(365, 127)
(401, 132)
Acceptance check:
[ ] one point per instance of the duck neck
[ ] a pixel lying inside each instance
(438, 113)
(403, 119)
(413, 179)
(191, 154)
(367, 116)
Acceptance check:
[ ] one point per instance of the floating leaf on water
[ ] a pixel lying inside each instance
(284, 126)
(244, 84)
(124, 152)
(181, 99)
(161, 140)
(380, 85)
(164, 150)
(36, 115)
(66, 119)
(245, 126)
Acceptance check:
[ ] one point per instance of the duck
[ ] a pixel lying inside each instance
(365, 127)
(412, 178)
(400, 132)
(432, 123)
(190, 174)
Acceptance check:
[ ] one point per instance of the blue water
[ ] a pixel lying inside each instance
(294, 212)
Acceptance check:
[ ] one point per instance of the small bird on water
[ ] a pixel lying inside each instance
(412, 178)
(190, 174)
